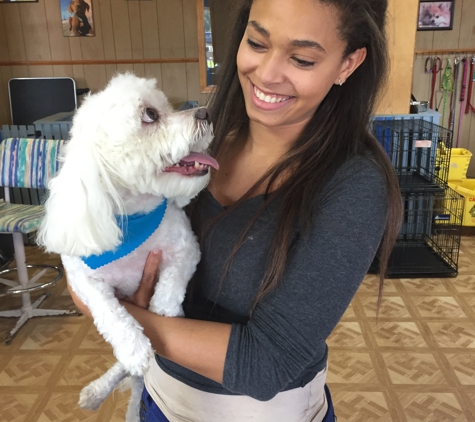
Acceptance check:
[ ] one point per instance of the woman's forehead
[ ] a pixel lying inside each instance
(296, 21)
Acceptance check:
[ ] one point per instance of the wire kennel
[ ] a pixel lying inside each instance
(419, 151)
(429, 240)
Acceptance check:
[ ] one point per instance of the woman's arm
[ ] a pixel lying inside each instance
(197, 345)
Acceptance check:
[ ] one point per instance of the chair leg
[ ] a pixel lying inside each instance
(28, 310)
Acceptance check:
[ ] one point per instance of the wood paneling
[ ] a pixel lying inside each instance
(401, 33)
(129, 36)
(59, 45)
(14, 28)
(105, 29)
(461, 38)
(4, 53)
(171, 28)
(164, 29)
(149, 30)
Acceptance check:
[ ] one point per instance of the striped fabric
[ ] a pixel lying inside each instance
(28, 163)
(20, 218)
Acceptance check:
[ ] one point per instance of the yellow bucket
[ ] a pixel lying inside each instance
(466, 188)
(459, 162)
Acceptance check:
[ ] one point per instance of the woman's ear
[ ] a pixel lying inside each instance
(350, 64)
(79, 218)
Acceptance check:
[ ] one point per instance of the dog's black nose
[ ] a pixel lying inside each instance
(202, 114)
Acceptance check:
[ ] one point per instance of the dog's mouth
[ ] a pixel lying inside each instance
(195, 164)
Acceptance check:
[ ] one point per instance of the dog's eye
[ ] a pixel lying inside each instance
(149, 115)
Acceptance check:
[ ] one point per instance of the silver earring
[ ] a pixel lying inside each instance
(340, 82)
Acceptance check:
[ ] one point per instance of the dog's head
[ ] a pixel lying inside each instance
(143, 145)
(79, 7)
(127, 151)
(435, 15)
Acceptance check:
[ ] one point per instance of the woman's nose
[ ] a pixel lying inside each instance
(270, 69)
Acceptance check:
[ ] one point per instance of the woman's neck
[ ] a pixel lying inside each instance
(269, 144)
(242, 165)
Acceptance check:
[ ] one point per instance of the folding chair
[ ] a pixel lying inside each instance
(26, 163)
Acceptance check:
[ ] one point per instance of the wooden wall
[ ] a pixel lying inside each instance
(401, 32)
(461, 37)
(137, 32)
(130, 35)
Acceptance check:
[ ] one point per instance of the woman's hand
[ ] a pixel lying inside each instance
(144, 293)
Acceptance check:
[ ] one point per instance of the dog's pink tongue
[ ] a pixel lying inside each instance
(202, 159)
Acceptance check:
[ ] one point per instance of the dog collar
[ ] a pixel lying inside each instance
(136, 229)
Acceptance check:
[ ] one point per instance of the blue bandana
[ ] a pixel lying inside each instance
(137, 228)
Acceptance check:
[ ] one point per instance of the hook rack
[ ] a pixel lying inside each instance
(459, 51)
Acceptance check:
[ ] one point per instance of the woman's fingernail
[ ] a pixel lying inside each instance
(158, 252)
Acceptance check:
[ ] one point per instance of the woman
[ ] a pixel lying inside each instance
(289, 225)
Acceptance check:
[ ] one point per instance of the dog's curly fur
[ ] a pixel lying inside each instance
(117, 162)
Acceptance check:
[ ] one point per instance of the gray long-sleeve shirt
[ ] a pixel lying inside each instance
(282, 346)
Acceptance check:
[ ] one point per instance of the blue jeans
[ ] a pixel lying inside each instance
(150, 412)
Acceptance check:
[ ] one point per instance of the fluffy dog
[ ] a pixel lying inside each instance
(435, 14)
(130, 166)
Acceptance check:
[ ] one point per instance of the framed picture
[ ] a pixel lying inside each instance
(435, 15)
(76, 18)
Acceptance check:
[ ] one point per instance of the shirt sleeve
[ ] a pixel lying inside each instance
(287, 331)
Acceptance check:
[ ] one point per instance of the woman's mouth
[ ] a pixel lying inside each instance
(269, 98)
(268, 101)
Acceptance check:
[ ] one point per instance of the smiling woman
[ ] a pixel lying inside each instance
(281, 255)
(303, 200)
(288, 62)
(213, 34)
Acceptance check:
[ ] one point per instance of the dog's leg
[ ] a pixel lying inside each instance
(178, 264)
(117, 326)
(175, 272)
(93, 394)
(133, 409)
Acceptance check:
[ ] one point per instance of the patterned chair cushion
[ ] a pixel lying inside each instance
(20, 218)
(28, 163)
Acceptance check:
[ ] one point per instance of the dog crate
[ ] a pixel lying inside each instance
(429, 240)
(419, 151)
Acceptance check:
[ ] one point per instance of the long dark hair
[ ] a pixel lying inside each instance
(338, 130)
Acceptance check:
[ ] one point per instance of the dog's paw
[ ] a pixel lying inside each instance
(169, 310)
(91, 396)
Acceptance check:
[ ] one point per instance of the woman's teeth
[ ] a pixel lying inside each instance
(269, 98)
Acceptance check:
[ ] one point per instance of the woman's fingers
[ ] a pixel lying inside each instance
(146, 288)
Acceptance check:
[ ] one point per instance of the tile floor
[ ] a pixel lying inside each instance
(415, 363)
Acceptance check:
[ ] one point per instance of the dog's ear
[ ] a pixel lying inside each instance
(444, 7)
(79, 218)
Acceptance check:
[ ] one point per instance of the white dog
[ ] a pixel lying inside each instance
(128, 168)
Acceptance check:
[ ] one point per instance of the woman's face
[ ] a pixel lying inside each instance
(289, 58)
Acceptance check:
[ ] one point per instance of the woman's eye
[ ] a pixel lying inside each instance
(254, 45)
(303, 63)
(149, 115)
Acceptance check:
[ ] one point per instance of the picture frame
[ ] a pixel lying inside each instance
(435, 15)
(77, 18)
